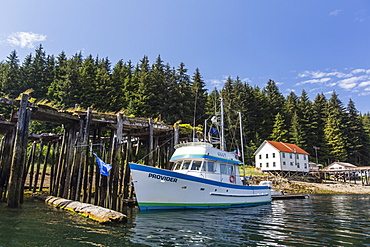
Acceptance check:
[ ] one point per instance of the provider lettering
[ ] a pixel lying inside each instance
(164, 178)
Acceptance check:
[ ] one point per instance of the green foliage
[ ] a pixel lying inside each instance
(279, 132)
(170, 94)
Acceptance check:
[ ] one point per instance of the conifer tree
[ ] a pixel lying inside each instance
(200, 96)
(185, 101)
(10, 76)
(296, 131)
(304, 112)
(279, 132)
(319, 116)
(334, 132)
(275, 104)
(356, 137)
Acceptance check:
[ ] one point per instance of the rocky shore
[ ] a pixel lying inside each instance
(297, 185)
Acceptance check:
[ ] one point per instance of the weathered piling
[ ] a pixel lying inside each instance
(15, 190)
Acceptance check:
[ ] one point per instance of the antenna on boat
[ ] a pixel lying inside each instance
(241, 140)
(223, 144)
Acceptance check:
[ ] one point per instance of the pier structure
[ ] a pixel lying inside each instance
(360, 174)
(63, 164)
(351, 175)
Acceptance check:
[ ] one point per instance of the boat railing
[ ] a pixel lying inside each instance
(185, 144)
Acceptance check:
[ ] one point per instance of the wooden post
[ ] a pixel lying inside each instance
(38, 166)
(45, 166)
(54, 162)
(8, 142)
(151, 143)
(82, 165)
(176, 134)
(15, 193)
(59, 168)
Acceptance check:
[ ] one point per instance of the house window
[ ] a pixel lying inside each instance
(267, 164)
(274, 164)
(291, 163)
(260, 156)
(297, 155)
(298, 164)
(283, 155)
(305, 165)
(260, 164)
(267, 156)
(304, 157)
(284, 164)
(273, 155)
(291, 156)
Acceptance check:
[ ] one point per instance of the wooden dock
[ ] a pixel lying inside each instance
(289, 197)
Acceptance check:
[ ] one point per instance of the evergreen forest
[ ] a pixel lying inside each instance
(323, 126)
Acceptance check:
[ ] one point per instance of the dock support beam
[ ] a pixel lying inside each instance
(15, 191)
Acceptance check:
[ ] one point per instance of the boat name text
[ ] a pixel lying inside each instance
(221, 154)
(164, 178)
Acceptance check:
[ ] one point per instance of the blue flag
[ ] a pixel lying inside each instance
(213, 131)
(104, 168)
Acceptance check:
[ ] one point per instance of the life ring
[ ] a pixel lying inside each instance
(232, 179)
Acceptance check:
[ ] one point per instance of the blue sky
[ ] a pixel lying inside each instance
(316, 45)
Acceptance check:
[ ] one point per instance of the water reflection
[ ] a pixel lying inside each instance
(325, 220)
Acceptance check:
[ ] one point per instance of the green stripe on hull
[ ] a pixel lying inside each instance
(148, 206)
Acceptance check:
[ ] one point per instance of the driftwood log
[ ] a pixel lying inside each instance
(96, 213)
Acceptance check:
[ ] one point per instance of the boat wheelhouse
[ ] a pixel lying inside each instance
(201, 159)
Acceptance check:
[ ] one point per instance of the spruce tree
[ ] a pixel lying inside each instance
(279, 132)
(335, 129)
(356, 136)
(10, 77)
(200, 96)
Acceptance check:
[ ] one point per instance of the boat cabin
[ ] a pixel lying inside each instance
(204, 161)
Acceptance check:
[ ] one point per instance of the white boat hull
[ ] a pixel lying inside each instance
(163, 189)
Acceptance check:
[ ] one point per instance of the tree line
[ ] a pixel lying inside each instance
(158, 90)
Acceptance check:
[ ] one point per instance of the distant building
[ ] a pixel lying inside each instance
(314, 167)
(280, 156)
(339, 166)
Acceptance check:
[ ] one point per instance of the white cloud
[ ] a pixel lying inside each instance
(356, 71)
(351, 82)
(25, 39)
(364, 84)
(216, 83)
(313, 81)
(335, 12)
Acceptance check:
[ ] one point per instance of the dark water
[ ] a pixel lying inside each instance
(321, 220)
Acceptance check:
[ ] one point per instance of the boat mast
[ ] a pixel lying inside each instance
(242, 141)
(223, 144)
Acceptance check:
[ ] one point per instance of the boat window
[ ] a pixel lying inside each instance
(223, 168)
(211, 167)
(230, 169)
(185, 165)
(176, 166)
(196, 165)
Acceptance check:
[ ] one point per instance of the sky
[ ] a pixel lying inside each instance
(317, 46)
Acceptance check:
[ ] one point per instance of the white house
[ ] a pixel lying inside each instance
(280, 156)
(339, 166)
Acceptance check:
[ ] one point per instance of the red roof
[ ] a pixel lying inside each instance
(287, 147)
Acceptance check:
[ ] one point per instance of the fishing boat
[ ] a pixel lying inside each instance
(202, 177)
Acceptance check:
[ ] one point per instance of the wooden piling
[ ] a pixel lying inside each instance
(15, 192)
